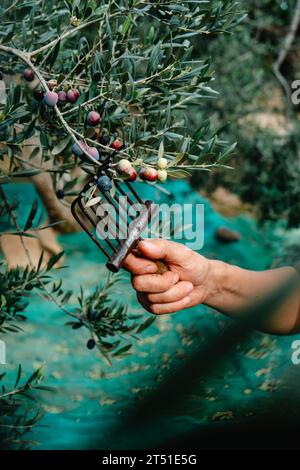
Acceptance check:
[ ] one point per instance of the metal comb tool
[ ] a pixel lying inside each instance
(115, 248)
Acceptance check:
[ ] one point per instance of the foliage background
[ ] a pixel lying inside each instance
(264, 122)
(171, 100)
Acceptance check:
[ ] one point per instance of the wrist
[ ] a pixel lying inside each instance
(215, 283)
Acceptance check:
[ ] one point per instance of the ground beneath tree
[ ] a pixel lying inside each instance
(92, 401)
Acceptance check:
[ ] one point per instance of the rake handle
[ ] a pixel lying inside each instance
(130, 244)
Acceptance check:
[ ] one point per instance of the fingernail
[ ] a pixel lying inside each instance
(176, 278)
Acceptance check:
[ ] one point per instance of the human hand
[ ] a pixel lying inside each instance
(184, 285)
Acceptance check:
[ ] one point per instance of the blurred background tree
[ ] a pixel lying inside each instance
(256, 103)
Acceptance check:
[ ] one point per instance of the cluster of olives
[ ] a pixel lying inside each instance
(126, 169)
(145, 173)
(80, 149)
(52, 98)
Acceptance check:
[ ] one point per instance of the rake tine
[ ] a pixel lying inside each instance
(124, 193)
(83, 226)
(92, 222)
(120, 229)
(121, 190)
(80, 208)
(88, 185)
(109, 217)
(117, 199)
(86, 211)
(110, 199)
(130, 187)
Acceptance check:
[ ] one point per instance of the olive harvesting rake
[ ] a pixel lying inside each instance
(99, 191)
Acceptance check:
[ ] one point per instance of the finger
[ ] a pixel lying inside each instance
(142, 298)
(175, 293)
(139, 266)
(163, 249)
(155, 282)
(172, 307)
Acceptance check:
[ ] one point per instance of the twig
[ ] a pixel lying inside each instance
(11, 6)
(65, 35)
(86, 103)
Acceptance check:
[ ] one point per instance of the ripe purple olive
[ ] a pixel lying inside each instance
(91, 343)
(73, 95)
(38, 95)
(62, 97)
(80, 149)
(28, 75)
(77, 93)
(103, 140)
(93, 152)
(60, 194)
(93, 118)
(77, 148)
(51, 98)
(142, 173)
(104, 183)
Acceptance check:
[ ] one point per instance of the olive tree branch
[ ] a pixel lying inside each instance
(63, 36)
(18, 229)
(25, 57)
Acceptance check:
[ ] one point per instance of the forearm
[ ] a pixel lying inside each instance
(232, 289)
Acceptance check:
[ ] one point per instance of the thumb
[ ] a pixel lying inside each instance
(163, 250)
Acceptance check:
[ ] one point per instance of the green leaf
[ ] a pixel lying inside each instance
(155, 58)
(224, 157)
(54, 259)
(53, 55)
(32, 214)
(122, 350)
(60, 146)
(44, 139)
(146, 324)
(18, 376)
(26, 173)
(30, 130)
(161, 150)
(126, 25)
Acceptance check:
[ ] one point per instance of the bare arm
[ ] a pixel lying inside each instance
(195, 280)
(233, 289)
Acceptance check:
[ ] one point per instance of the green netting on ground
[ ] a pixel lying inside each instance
(93, 399)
